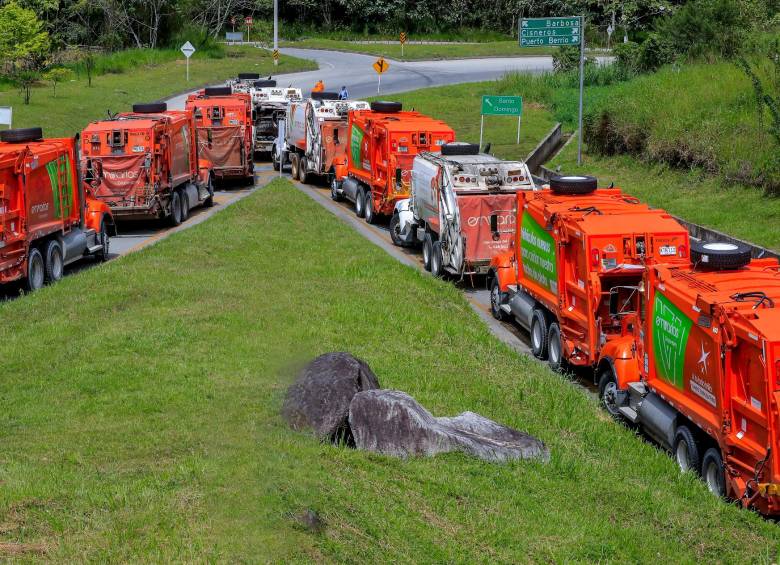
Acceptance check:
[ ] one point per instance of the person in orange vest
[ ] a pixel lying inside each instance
(319, 87)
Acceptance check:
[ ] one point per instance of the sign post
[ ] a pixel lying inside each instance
(500, 106)
(276, 33)
(402, 39)
(380, 66)
(249, 21)
(188, 50)
(538, 32)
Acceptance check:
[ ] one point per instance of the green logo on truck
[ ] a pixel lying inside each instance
(61, 193)
(356, 141)
(671, 329)
(537, 249)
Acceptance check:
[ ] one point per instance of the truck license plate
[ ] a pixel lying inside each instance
(667, 250)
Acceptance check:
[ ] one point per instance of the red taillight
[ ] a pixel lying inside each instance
(682, 251)
(595, 258)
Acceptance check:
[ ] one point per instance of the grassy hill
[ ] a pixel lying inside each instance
(141, 421)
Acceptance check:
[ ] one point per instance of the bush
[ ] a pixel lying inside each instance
(566, 59)
(627, 57)
(654, 53)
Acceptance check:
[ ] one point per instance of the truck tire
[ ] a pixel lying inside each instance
(217, 91)
(264, 83)
(360, 202)
(21, 135)
(427, 251)
(248, 76)
(275, 159)
(368, 209)
(386, 107)
(719, 255)
(607, 392)
(436, 260)
(713, 473)
(185, 206)
(495, 300)
(105, 242)
(175, 218)
(150, 108)
(55, 264)
(460, 148)
(335, 186)
(303, 170)
(324, 95)
(539, 334)
(36, 270)
(395, 230)
(555, 347)
(294, 166)
(686, 450)
(573, 184)
(209, 202)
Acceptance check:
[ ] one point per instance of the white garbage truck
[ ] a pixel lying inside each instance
(316, 139)
(453, 196)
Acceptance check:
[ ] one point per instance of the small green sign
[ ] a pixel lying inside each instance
(536, 32)
(502, 105)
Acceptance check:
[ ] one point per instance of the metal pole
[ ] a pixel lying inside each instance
(582, 86)
(481, 127)
(188, 69)
(379, 82)
(276, 29)
(519, 117)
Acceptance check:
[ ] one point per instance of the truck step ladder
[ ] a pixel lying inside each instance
(629, 414)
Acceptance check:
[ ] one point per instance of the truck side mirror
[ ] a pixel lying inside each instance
(494, 223)
(613, 304)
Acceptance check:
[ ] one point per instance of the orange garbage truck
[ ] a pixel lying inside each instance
(574, 275)
(704, 379)
(144, 164)
(383, 142)
(315, 134)
(223, 125)
(47, 219)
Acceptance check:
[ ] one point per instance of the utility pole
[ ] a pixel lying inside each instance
(276, 31)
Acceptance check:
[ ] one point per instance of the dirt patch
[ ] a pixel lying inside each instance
(8, 548)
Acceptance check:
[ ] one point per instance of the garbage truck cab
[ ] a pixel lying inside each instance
(453, 196)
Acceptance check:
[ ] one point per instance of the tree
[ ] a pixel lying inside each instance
(57, 74)
(23, 39)
(25, 80)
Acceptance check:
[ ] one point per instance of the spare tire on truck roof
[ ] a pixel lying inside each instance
(574, 184)
(386, 106)
(264, 83)
(719, 255)
(248, 76)
(324, 95)
(460, 148)
(150, 108)
(20, 135)
(217, 91)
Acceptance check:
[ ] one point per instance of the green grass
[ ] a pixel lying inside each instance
(459, 106)
(425, 52)
(76, 104)
(141, 421)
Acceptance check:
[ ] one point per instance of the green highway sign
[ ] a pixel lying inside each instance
(502, 105)
(537, 32)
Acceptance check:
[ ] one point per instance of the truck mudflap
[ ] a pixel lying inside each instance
(475, 211)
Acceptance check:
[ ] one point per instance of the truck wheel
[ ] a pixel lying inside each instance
(539, 334)
(495, 300)
(686, 450)
(335, 186)
(303, 170)
(175, 218)
(360, 202)
(105, 242)
(713, 473)
(36, 272)
(55, 265)
(554, 347)
(185, 206)
(275, 159)
(209, 202)
(608, 392)
(395, 230)
(294, 166)
(436, 259)
(427, 251)
(368, 212)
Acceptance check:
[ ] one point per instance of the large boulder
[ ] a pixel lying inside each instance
(320, 397)
(393, 423)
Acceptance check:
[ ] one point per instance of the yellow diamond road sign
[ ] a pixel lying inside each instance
(381, 65)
